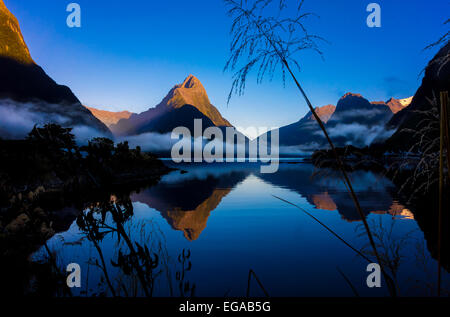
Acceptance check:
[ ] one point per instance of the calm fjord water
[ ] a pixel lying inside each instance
(229, 219)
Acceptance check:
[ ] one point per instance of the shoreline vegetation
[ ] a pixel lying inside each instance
(48, 172)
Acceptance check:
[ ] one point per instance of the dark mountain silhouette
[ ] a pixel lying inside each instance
(353, 121)
(354, 108)
(306, 131)
(435, 80)
(358, 122)
(22, 81)
(181, 117)
(184, 103)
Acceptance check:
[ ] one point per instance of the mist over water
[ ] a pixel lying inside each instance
(18, 119)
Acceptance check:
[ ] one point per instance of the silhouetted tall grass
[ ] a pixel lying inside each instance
(271, 42)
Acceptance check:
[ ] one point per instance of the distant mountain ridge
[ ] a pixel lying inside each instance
(396, 105)
(354, 121)
(325, 113)
(109, 117)
(358, 122)
(354, 108)
(305, 132)
(184, 103)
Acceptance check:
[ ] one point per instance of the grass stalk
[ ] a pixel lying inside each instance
(443, 132)
(278, 51)
(348, 282)
(446, 114)
(346, 179)
(326, 227)
(250, 274)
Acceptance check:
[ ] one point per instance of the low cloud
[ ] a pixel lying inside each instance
(149, 142)
(360, 135)
(18, 119)
(367, 116)
(299, 150)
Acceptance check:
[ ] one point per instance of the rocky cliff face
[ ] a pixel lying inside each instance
(397, 105)
(192, 92)
(12, 44)
(325, 113)
(25, 89)
(184, 103)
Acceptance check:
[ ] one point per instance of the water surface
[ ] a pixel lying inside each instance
(226, 215)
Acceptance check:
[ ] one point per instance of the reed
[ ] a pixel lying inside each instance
(443, 140)
(261, 41)
(347, 280)
(327, 228)
(250, 274)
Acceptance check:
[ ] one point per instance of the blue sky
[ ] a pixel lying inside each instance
(128, 54)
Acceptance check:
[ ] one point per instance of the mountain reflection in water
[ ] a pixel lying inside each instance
(226, 215)
(186, 200)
